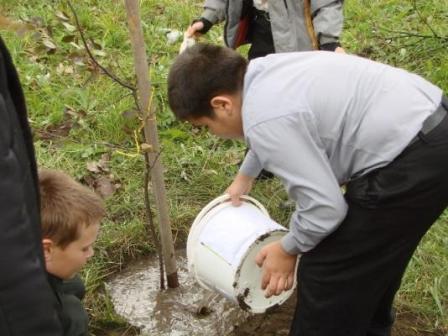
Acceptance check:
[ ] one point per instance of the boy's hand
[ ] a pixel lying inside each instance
(241, 185)
(278, 268)
(192, 31)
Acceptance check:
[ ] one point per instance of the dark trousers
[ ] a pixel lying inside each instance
(347, 284)
(260, 35)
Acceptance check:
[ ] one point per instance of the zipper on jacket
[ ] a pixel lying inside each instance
(226, 24)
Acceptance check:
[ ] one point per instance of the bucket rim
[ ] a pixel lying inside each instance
(242, 302)
(209, 210)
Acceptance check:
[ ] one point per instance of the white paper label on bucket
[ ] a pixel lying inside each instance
(235, 229)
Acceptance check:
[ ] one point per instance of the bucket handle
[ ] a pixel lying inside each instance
(225, 198)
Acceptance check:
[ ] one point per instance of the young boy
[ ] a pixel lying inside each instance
(319, 120)
(71, 215)
(274, 27)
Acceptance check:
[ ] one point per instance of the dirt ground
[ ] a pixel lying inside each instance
(175, 312)
(277, 323)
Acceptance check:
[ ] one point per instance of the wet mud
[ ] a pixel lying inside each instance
(193, 311)
(276, 322)
(184, 311)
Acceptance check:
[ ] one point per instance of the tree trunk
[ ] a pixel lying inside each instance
(151, 136)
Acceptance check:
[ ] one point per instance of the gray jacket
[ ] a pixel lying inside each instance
(287, 21)
(318, 120)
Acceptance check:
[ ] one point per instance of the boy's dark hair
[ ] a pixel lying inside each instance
(65, 206)
(200, 73)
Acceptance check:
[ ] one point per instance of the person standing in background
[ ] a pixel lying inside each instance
(27, 303)
(274, 26)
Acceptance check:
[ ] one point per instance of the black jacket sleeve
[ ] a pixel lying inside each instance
(27, 303)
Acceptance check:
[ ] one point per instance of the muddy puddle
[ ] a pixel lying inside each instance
(184, 311)
(193, 311)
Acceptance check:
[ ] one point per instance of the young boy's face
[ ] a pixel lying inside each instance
(226, 122)
(217, 126)
(66, 262)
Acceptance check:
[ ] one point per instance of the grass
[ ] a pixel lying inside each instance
(79, 115)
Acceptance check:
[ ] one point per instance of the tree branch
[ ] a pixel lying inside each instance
(148, 167)
(84, 42)
(414, 3)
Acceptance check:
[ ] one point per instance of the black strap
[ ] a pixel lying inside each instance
(434, 119)
(207, 25)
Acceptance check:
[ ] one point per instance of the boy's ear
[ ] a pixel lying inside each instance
(221, 103)
(48, 246)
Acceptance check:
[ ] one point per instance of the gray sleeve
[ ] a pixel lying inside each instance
(250, 166)
(328, 20)
(289, 147)
(214, 11)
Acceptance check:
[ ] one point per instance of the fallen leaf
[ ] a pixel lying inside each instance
(104, 186)
(93, 166)
(61, 15)
(64, 69)
(76, 46)
(68, 70)
(49, 43)
(71, 114)
(103, 163)
(99, 53)
(88, 180)
(69, 27)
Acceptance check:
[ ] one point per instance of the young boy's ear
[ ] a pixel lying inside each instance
(221, 103)
(48, 246)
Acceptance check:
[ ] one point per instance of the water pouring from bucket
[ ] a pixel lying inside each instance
(221, 249)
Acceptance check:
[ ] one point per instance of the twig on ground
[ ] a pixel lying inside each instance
(414, 3)
(403, 34)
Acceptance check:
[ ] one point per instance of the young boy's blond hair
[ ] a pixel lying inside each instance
(71, 214)
(65, 206)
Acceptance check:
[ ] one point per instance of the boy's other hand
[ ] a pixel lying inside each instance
(241, 185)
(278, 268)
(192, 31)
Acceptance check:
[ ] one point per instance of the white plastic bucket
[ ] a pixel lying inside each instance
(221, 249)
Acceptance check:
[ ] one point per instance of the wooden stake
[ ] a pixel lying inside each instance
(151, 135)
(309, 24)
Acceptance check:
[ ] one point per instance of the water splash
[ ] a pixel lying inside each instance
(184, 311)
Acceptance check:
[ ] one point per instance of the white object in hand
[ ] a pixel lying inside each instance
(186, 43)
